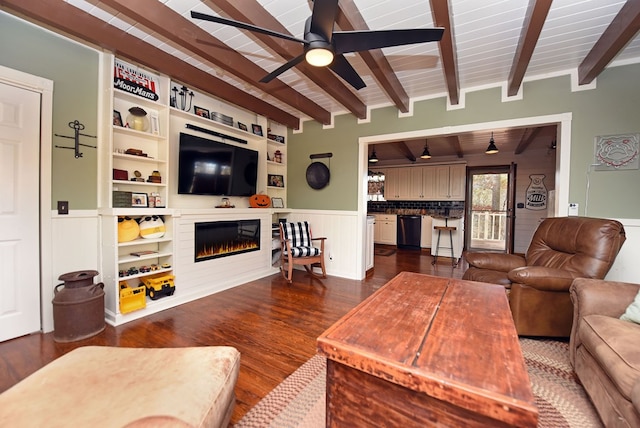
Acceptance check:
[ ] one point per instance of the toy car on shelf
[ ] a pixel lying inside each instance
(145, 269)
(159, 285)
(132, 271)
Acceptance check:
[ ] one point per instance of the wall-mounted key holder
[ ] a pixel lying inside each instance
(77, 127)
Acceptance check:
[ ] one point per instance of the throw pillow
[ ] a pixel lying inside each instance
(633, 311)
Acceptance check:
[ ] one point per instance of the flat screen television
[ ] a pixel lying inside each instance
(207, 167)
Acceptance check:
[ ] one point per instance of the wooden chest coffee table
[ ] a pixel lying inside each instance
(428, 351)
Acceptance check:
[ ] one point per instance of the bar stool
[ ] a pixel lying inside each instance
(440, 229)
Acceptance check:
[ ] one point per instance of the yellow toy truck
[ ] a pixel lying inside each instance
(159, 285)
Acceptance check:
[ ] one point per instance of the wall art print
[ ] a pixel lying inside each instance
(536, 193)
(614, 152)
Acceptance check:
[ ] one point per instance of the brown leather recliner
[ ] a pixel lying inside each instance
(562, 249)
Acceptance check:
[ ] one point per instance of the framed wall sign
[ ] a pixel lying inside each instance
(277, 203)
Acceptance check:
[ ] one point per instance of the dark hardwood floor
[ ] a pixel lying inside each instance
(274, 325)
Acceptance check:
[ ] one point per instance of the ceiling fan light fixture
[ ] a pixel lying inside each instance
(319, 57)
(425, 153)
(492, 148)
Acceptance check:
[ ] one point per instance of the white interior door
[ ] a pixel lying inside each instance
(19, 211)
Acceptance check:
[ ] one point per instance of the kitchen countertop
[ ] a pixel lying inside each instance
(439, 214)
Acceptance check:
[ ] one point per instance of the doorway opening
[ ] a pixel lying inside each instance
(490, 203)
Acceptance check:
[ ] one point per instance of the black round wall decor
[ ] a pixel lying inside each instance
(318, 175)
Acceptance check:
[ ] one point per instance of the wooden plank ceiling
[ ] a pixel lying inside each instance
(490, 42)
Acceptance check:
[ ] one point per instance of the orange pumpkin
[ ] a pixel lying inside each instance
(260, 201)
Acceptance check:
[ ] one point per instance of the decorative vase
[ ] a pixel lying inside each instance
(137, 119)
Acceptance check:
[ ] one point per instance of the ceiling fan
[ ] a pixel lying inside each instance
(325, 47)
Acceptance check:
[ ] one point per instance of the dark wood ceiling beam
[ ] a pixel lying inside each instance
(252, 12)
(70, 20)
(163, 20)
(454, 142)
(622, 29)
(533, 22)
(406, 151)
(442, 18)
(526, 140)
(350, 19)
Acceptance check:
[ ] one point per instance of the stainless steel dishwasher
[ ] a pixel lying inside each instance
(409, 231)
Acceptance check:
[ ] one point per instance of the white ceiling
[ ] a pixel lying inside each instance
(485, 36)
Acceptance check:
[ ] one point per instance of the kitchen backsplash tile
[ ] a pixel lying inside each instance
(417, 207)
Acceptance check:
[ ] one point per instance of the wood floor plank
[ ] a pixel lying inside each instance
(273, 324)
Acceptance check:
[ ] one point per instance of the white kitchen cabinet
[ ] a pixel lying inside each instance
(426, 183)
(425, 231)
(385, 230)
(450, 182)
(397, 184)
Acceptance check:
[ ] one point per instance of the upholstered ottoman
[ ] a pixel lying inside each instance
(98, 386)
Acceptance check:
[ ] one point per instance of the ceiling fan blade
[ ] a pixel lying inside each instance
(278, 71)
(356, 41)
(342, 68)
(323, 17)
(245, 26)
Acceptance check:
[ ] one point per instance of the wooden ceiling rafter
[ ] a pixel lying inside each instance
(71, 20)
(454, 141)
(349, 18)
(526, 139)
(442, 18)
(251, 12)
(533, 22)
(622, 29)
(406, 151)
(162, 20)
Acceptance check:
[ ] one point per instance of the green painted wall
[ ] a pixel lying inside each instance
(611, 108)
(74, 71)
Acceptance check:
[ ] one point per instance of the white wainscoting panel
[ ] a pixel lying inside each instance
(626, 268)
(342, 247)
(75, 246)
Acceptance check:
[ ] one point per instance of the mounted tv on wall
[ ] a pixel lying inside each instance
(207, 167)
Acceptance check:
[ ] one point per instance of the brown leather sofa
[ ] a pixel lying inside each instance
(605, 351)
(561, 250)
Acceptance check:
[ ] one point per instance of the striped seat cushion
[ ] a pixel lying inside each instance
(304, 251)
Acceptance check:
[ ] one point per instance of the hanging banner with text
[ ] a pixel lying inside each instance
(132, 79)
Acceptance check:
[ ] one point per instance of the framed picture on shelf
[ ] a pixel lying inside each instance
(139, 200)
(155, 123)
(276, 180)
(242, 126)
(257, 129)
(277, 203)
(276, 138)
(117, 118)
(202, 112)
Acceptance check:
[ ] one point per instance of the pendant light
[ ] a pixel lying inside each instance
(425, 153)
(373, 158)
(491, 149)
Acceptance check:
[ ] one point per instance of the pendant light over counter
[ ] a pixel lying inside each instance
(425, 153)
(491, 149)
(373, 158)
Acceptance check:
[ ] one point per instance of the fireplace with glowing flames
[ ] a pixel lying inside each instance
(226, 238)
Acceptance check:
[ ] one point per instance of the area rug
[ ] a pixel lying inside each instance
(299, 401)
(384, 251)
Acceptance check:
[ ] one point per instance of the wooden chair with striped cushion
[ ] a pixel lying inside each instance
(297, 248)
